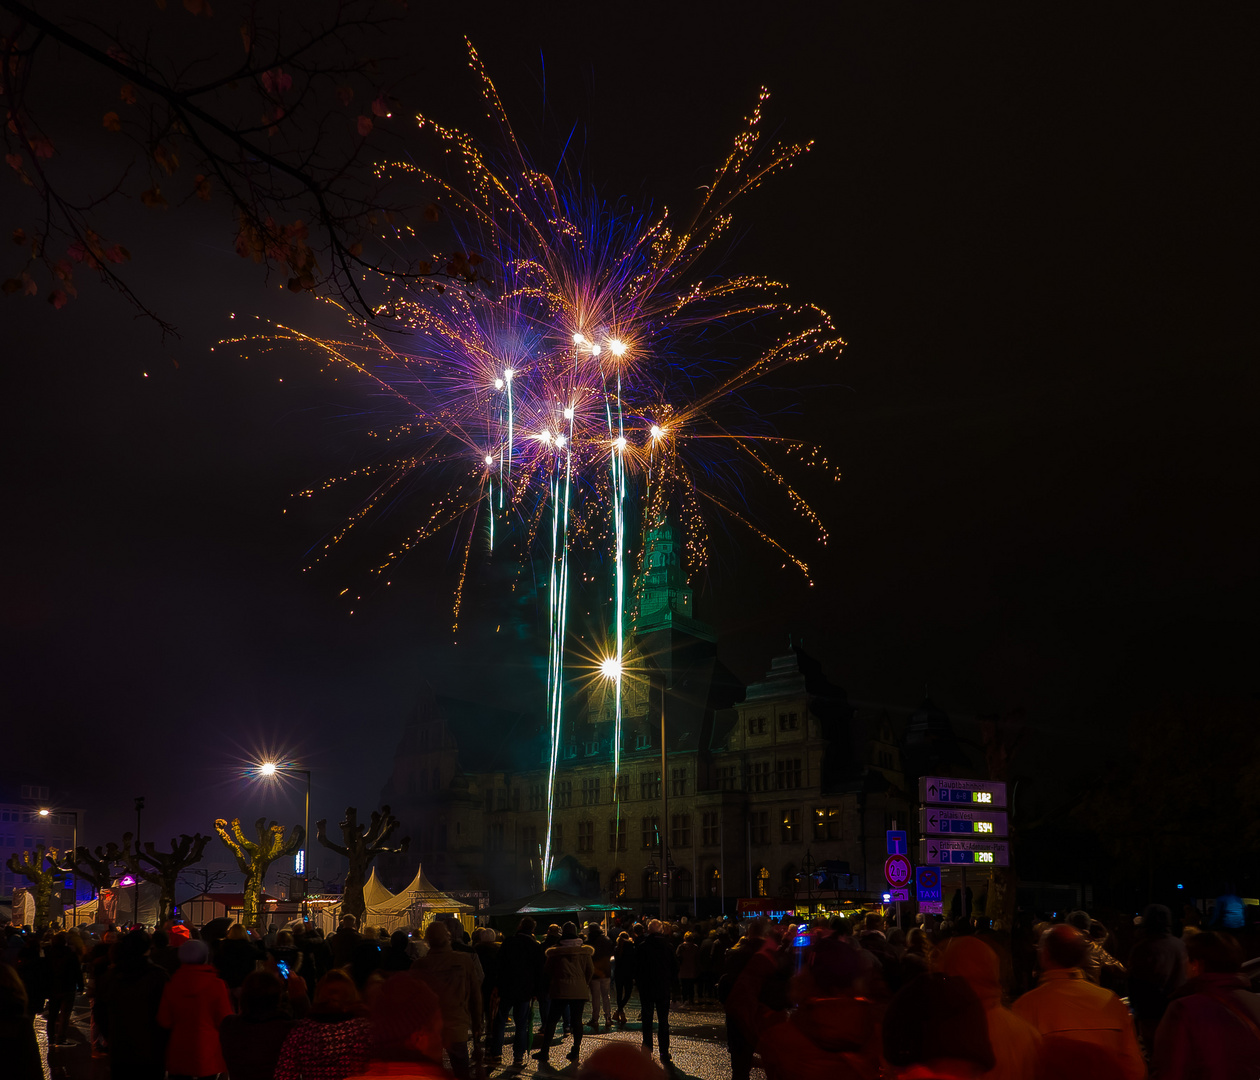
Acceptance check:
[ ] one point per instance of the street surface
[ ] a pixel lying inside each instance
(697, 1045)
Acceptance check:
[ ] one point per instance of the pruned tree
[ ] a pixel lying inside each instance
(255, 856)
(203, 880)
(41, 868)
(164, 867)
(275, 119)
(360, 844)
(96, 868)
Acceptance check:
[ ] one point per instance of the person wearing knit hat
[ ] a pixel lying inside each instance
(193, 1006)
(935, 1029)
(1065, 1004)
(178, 934)
(1016, 1043)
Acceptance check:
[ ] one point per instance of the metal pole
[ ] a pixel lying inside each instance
(135, 895)
(722, 855)
(74, 868)
(664, 814)
(306, 837)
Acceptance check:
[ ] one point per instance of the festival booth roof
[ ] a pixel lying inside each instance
(119, 904)
(410, 907)
(551, 902)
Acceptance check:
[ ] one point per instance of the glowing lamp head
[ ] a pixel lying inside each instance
(498, 384)
(568, 414)
(579, 339)
(43, 813)
(656, 431)
(616, 347)
(489, 459)
(267, 768)
(610, 668)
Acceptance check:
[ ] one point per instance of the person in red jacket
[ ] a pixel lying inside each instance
(193, 1006)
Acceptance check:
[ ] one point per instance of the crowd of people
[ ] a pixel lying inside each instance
(846, 999)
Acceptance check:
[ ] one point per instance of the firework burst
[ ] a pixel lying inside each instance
(588, 363)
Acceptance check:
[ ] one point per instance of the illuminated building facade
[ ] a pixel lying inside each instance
(764, 782)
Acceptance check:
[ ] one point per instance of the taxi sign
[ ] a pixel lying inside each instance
(965, 852)
(938, 821)
(953, 791)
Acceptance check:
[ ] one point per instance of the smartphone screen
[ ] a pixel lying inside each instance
(283, 969)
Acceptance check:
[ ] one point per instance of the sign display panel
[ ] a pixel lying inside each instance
(953, 791)
(966, 852)
(939, 821)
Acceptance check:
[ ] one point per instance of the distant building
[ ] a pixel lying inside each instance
(764, 782)
(22, 827)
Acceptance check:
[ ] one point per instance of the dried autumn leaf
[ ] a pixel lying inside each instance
(198, 7)
(381, 107)
(365, 126)
(58, 299)
(41, 147)
(202, 189)
(127, 93)
(247, 36)
(356, 249)
(111, 122)
(15, 161)
(19, 236)
(167, 158)
(29, 288)
(116, 253)
(11, 285)
(153, 197)
(345, 94)
(431, 212)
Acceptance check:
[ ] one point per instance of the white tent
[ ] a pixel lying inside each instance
(414, 906)
(120, 905)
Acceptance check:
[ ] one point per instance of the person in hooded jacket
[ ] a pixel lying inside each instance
(833, 1031)
(236, 957)
(569, 969)
(251, 1041)
(1211, 1028)
(193, 1006)
(1016, 1043)
(398, 956)
(125, 1010)
(601, 981)
(406, 1032)
(623, 974)
(63, 974)
(332, 1041)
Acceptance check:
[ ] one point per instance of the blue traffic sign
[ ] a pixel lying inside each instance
(897, 842)
(927, 883)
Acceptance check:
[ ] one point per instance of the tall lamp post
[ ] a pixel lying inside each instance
(270, 769)
(74, 866)
(135, 888)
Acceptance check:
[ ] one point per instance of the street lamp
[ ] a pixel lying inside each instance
(74, 865)
(270, 769)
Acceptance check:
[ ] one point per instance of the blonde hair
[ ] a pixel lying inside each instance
(236, 932)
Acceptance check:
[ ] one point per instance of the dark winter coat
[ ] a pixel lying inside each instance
(519, 972)
(656, 967)
(126, 1012)
(251, 1047)
(1210, 1031)
(623, 963)
(236, 959)
(569, 969)
(1157, 967)
(18, 1049)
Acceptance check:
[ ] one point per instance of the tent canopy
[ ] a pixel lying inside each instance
(551, 902)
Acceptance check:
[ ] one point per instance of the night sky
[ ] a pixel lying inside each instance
(1028, 225)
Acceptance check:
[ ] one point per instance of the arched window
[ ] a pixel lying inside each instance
(680, 887)
(761, 878)
(617, 884)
